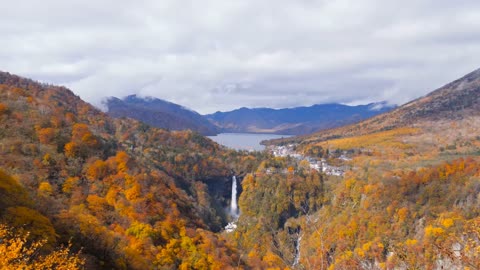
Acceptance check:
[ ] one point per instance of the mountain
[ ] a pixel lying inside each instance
(401, 189)
(294, 121)
(397, 191)
(290, 121)
(159, 113)
(454, 101)
(128, 195)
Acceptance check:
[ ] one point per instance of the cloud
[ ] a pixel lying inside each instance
(219, 55)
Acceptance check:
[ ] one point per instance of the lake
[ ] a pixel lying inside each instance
(245, 141)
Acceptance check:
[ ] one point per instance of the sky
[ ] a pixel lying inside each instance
(215, 55)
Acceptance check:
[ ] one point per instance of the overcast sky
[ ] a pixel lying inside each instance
(214, 55)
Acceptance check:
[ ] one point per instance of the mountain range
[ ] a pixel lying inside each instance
(294, 121)
(289, 121)
(454, 101)
(132, 196)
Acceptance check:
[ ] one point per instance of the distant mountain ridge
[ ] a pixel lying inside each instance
(294, 121)
(289, 121)
(160, 113)
(453, 101)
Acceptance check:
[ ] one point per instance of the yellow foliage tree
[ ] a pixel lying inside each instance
(46, 135)
(37, 224)
(70, 184)
(71, 149)
(97, 170)
(19, 253)
(45, 189)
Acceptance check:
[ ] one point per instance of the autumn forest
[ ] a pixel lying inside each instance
(82, 190)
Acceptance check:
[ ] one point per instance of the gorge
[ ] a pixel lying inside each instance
(396, 190)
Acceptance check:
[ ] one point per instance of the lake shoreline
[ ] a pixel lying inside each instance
(245, 141)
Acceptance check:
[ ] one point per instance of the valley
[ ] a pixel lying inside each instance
(240, 135)
(396, 191)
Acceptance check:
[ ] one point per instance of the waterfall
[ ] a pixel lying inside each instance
(233, 208)
(296, 259)
(233, 203)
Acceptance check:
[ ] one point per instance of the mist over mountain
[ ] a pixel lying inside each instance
(159, 113)
(398, 190)
(295, 121)
(454, 101)
(289, 121)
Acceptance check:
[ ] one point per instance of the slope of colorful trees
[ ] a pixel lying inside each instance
(79, 189)
(408, 202)
(127, 195)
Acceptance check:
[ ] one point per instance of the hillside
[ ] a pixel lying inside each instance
(408, 195)
(159, 113)
(294, 121)
(454, 101)
(128, 195)
(131, 196)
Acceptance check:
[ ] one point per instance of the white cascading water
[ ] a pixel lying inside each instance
(296, 259)
(233, 203)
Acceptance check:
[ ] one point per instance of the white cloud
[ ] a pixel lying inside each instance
(219, 55)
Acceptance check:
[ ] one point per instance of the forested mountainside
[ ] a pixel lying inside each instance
(410, 194)
(404, 193)
(294, 121)
(160, 113)
(126, 194)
